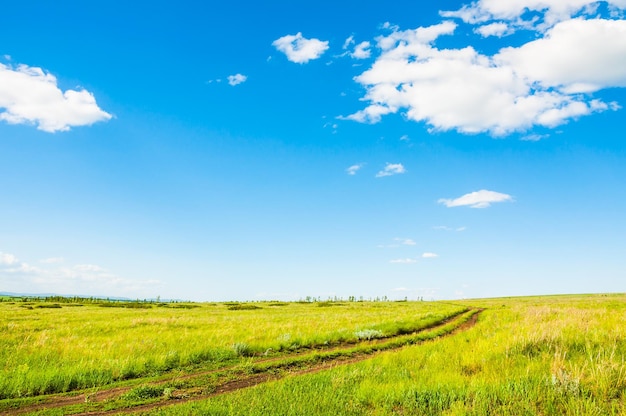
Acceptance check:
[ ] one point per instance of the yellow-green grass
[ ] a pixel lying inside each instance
(47, 349)
(558, 355)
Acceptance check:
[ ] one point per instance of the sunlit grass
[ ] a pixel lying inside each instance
(45, 350)
(526, 356)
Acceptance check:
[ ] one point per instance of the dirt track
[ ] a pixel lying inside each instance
(242, 381)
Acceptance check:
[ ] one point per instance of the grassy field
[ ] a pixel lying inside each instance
(527, 356)
(556, 355)
(50, 347)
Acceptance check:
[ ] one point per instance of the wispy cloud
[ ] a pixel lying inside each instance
(403, 261)
(429, 255)
(398, 242)
(7, 259)
(236, 79)
(30, 95)
(299, 49)
(352, 170)
(360, 51)
(479, 199)
(391, 169)
(534, 137)
(82, 279)
(446, 228)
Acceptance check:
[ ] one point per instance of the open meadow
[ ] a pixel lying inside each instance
(553, 355)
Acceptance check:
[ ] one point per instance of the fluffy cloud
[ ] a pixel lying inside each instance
(577, 56)
(299, 49)
(28, 95)
(498, 29)
(479, 199)
(515, 11)
(391, 169)
(237, 79)
(361, 51)
(545, 82)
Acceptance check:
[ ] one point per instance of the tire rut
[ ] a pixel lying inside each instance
(245, 381)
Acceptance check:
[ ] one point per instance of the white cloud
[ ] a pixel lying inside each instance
(391, 169)
(534, 137)
(479, 199)
(543, 13)
(352, 170)
(545, 82)
(362, 51)
(81, 279)
(7, 259)
(299, 49)
(446, 228)
(577, 56)
(403, 261)
(498, 29)
(429, 255)
(236, 79)
(10, 265)
(29, 95)
(349, 41)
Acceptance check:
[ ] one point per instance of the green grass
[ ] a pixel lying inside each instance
(47, 350)
(527, 356)
(553, 355)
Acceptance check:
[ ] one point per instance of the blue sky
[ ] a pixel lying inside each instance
(267, 151)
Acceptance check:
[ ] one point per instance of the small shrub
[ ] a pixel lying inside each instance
(137, 305)
(368, 334)
(242, 349)
(327, 304)
(144, 392)
(565, 383)
(242, 307)
(167, 392)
